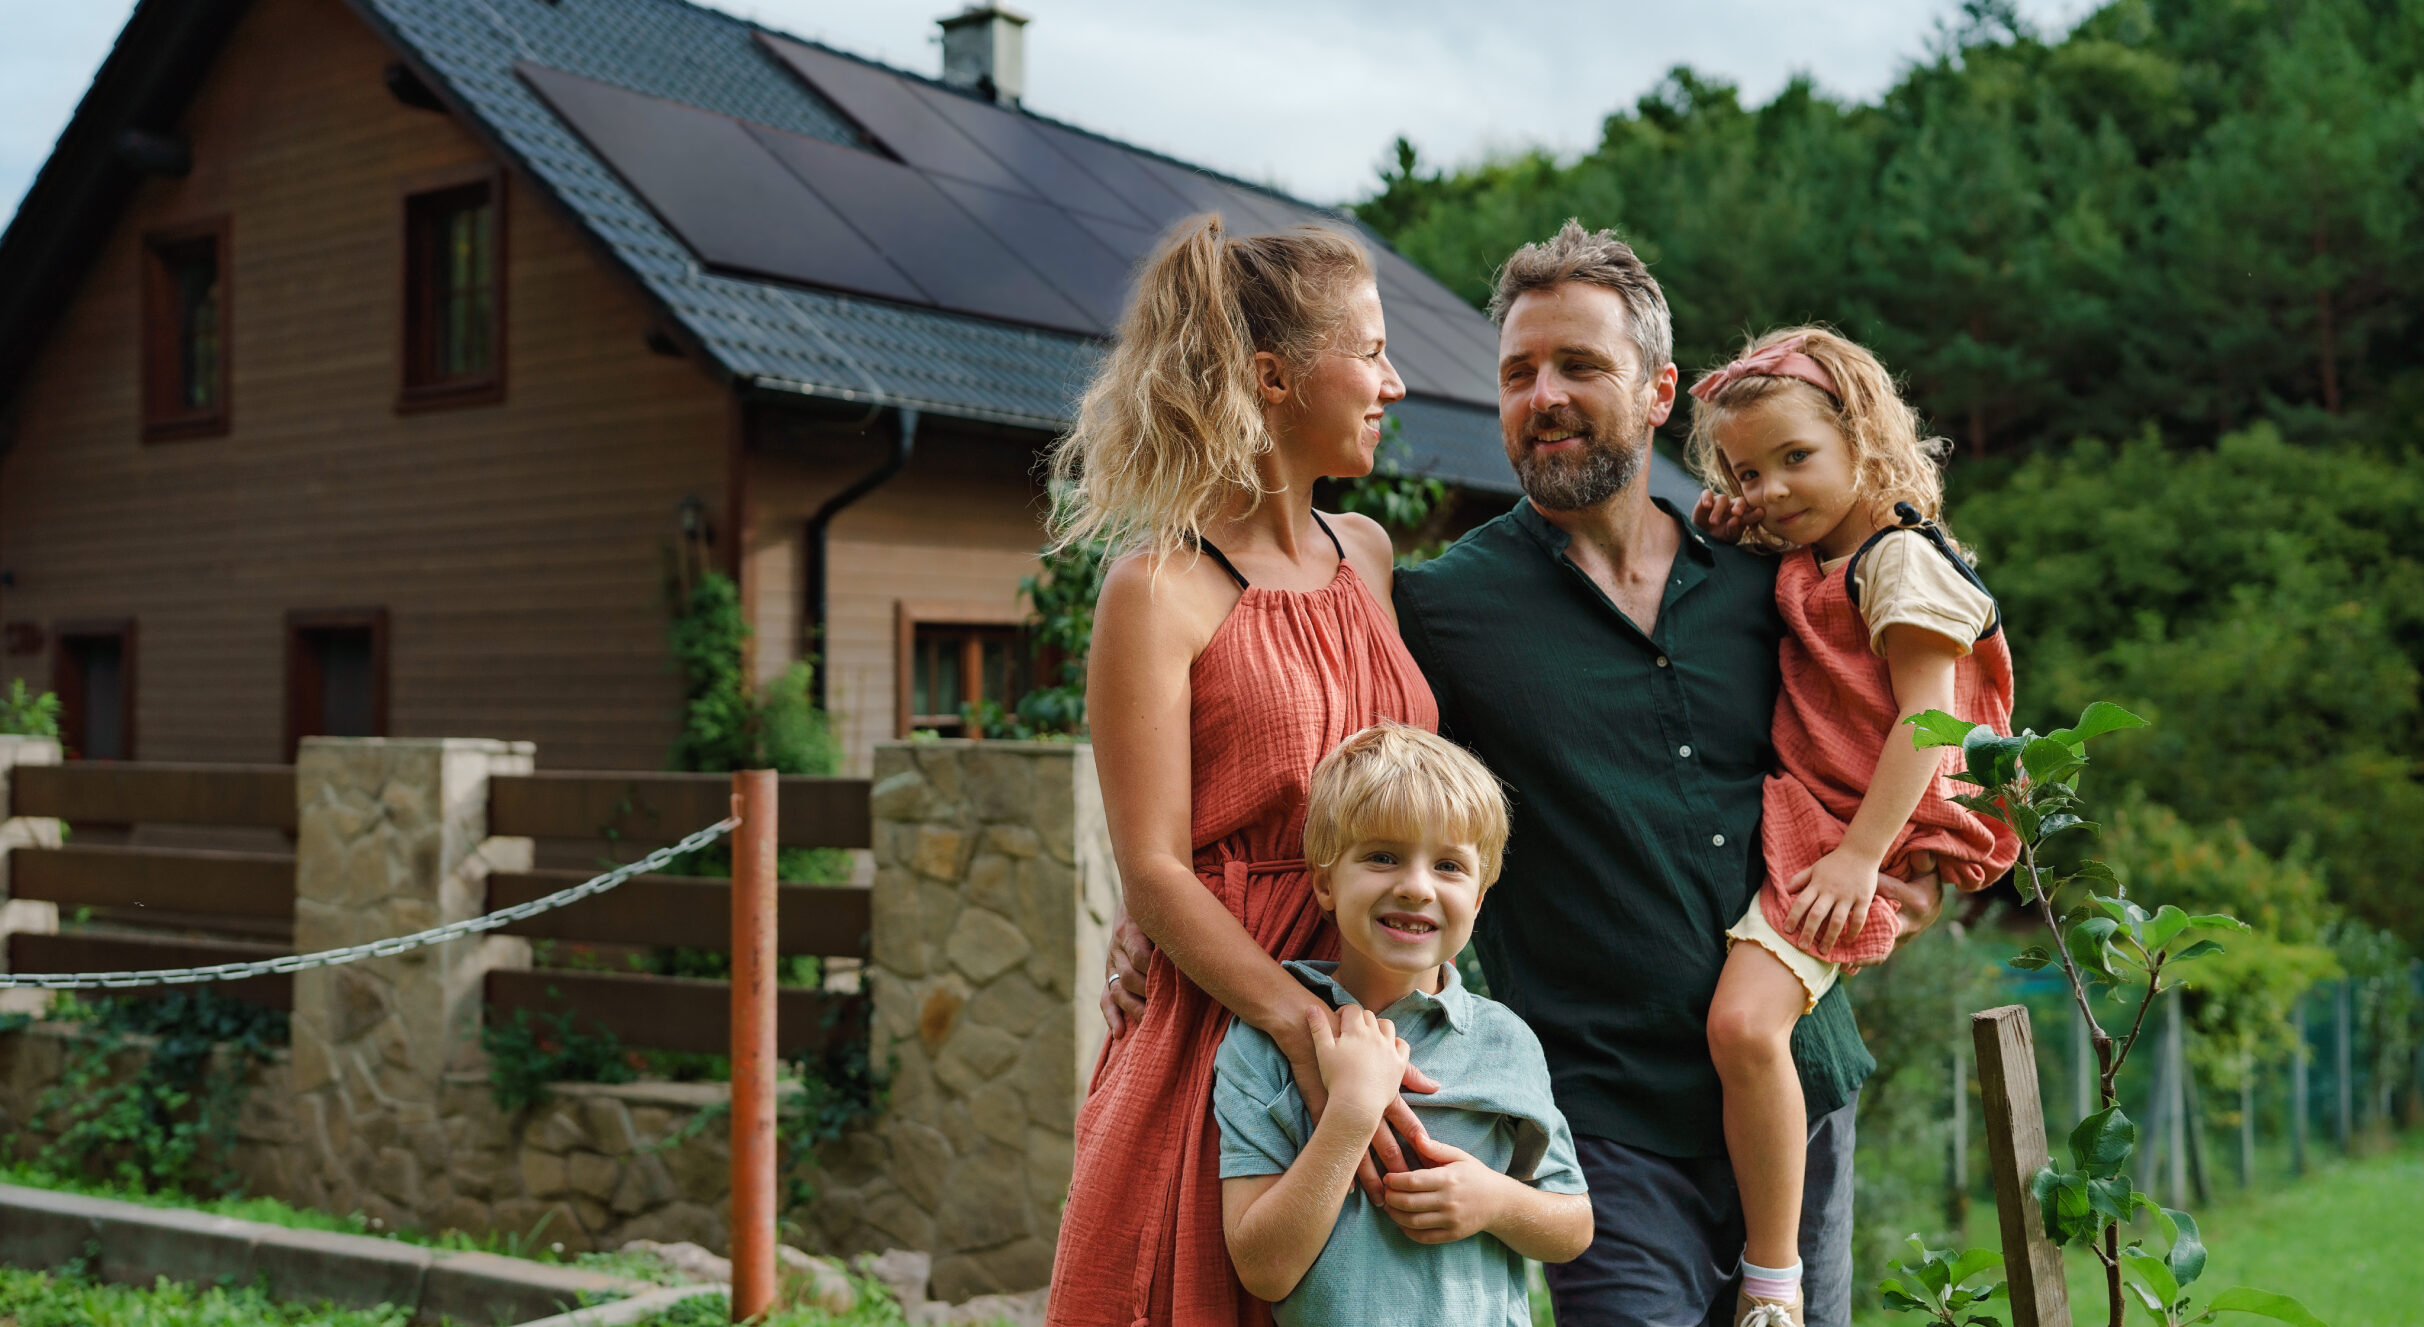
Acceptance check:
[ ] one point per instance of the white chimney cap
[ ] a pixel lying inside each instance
(985, 51)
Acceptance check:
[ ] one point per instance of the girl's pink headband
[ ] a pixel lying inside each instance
(1781, 360)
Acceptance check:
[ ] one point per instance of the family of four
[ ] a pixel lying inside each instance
(1651, 766)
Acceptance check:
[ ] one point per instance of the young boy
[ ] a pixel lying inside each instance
(1404, 832)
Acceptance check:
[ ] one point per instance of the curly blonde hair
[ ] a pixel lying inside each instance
(1893, 458)
(1170, 427)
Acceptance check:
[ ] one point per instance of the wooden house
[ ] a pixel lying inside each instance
(367, 365)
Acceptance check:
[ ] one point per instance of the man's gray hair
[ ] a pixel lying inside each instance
(1598, 258)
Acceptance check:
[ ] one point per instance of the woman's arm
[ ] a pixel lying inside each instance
(1841, 884)
(1277, 1224)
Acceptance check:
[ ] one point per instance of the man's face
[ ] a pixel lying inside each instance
(1574, 401)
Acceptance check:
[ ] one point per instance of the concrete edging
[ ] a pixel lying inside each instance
(131, 1243)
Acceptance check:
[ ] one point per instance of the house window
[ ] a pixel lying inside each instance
(185, 332)
(952, 657)
(453, 296)
(94, 674)
(336, 675)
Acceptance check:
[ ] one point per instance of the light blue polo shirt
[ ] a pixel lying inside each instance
(1493, 1102)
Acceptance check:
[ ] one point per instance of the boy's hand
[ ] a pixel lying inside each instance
(1457, 1198)
(1831, 899)
(1361, 1064)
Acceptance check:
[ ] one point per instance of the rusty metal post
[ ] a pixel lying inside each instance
(753, 1044)
(2015, 1146)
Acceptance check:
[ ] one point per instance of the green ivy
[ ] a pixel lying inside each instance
(530, 1051)
(28, 714)
(168, 1122)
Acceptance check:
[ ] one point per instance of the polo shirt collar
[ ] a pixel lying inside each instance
(1454, 1001)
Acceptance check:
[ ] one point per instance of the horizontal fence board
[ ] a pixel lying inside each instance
(255, 885)
(81, 952)
(672, 1013)
(694, 912)
(144, 792)
(660, 808)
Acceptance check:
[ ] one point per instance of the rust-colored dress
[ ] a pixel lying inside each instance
(1288, 676)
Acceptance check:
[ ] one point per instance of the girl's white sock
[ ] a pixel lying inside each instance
(1780, 1284)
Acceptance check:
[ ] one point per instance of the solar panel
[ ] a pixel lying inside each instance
(896, 117)
(717, 189)
(1014, 141)
(1122, 173)
(1416, 334)
(1092, 274)
(955, 260)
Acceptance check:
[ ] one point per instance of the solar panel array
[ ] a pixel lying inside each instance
(986, 211)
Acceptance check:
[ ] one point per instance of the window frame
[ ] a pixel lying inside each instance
(908, 616)
(161, 353)
(415, 388)
(300, 622)
(73, 706)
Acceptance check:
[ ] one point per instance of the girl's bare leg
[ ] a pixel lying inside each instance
(1766, 1124)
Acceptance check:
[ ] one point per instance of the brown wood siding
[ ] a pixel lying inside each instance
(515, 546)
(960, 525)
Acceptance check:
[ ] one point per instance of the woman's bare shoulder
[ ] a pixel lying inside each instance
(1166, 598)
(1367, 545)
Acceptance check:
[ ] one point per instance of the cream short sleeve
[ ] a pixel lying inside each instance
(1906, 581)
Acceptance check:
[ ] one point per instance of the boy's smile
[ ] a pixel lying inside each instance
(1403, 908)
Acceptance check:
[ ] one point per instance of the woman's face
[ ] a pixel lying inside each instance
(1328, 418)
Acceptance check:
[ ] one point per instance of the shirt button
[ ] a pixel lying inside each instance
(1684, 751)
(1662, 661)
(1717, 840)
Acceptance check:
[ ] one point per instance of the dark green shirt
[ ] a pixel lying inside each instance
(1634, 765)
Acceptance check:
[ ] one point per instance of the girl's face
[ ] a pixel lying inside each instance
(1328, 418)
(1790, 459)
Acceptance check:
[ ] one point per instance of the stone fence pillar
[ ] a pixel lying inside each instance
(23, 832)
(391, 838)
(994, 893)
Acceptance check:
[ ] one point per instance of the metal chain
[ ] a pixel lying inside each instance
(389, 948)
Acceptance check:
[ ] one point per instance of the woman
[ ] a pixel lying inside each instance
(1239, 638)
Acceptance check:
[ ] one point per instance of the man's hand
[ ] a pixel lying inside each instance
(1124, 982)
(1457, 1198)
(1724, 517)
(1831, 899)
(1922, 901)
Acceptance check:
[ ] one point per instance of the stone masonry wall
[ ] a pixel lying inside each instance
(994, 891)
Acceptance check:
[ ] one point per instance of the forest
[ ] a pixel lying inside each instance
(2159, 279)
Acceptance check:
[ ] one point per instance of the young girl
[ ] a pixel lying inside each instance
(1884, 620)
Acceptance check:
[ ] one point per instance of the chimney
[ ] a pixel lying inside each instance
(985, 51)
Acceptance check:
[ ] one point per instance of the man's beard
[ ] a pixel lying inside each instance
(1601, 465)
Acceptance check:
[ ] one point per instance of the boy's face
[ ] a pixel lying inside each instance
(1405, 905)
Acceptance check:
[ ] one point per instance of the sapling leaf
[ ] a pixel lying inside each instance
(2095, 872)
(1973, 1261)
(2201, 949)
(2217, 921)
(2061, 822)
(2156, 1277)
(1900, 1302)
(2062, 1205)
(2146, 1300)
(2112, 1196)
(2187, 1256)
(2102, 1142)
(2099, 718)
(2264, 1303)
(1993, 758)
(2032, 958)
(2049, 761)
(1937, 728)
(2167, 922)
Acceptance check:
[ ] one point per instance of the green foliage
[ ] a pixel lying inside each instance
(1935, 1283)
(1060, 627)
(2109, 941)
(530, 1051)
(25, 714)
(149, 1092)
(1402, 502)
(69, 1298)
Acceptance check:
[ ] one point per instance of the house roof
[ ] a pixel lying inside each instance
(493, 62)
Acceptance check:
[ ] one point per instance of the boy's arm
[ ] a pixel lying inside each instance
(1277, 1224)
(1459, 1197)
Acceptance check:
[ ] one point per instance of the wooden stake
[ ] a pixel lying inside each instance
(2015, 1147)
(753, 1045)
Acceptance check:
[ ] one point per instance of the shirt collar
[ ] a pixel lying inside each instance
(1454, 1001)
(1695, 544)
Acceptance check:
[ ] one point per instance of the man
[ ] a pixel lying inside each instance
(1618, 668)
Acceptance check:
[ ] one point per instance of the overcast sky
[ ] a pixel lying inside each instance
(1304, 94)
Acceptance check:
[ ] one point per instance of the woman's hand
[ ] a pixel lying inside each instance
(1361, 1063)
(1831, 899)
(1397, 1120)
(1124, 988)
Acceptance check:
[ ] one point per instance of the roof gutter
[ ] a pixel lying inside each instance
(820, 527)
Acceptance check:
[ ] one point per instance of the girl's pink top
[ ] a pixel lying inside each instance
(1833, 718)
(1288, 676)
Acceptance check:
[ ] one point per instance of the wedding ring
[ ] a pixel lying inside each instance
(1112, 980)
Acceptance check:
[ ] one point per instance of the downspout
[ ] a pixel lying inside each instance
(904, 442)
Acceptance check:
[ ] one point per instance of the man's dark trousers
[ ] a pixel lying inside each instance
(1667, 1247)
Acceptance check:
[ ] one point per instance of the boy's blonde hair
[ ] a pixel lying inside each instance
(1893, 459)
(1394, 781)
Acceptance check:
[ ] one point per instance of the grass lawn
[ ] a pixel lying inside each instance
(2334, 1240)
(47, 1299)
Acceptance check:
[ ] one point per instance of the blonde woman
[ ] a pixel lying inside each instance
(1239, 637)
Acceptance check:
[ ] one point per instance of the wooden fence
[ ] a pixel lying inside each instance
(137, 908)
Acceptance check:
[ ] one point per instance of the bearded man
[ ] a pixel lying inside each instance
(1618, 668)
